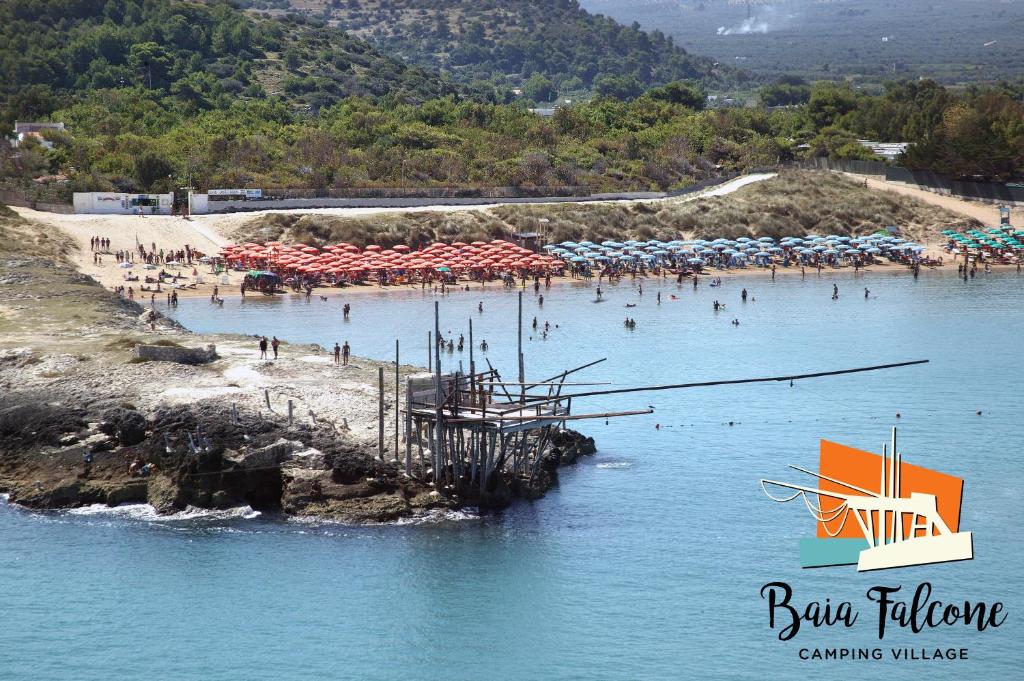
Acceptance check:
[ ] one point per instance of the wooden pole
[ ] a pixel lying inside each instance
(472, 366)
(380, 413)
(522, 371)
(737, 381)
(397, 411)
(408, 429)
(430, 353)
(438, 397)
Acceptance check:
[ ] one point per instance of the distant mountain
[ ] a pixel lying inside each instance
(198, 56)
(951, 41)
(560, 46)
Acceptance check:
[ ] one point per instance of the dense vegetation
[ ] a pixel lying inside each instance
(978, 133)
(122, 138)
(544, 47)
(158, 94)
(128, 139)
(185, 57)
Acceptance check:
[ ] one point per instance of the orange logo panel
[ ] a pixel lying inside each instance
(864, 470)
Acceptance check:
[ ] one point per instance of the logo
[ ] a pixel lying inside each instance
(913, 518)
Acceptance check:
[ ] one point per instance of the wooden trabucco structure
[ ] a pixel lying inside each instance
(466, 427)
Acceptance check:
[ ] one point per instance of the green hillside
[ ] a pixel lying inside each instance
(196, 55)
(546, 47)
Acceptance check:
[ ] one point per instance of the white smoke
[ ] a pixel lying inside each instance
(767, 18)
(751, 25)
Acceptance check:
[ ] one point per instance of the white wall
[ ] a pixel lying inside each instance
(117, 202)
(198, 204)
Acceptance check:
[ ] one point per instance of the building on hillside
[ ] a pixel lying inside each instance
(26, 130)
(887, 150)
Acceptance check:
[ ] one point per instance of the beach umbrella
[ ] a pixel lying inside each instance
(695, 261)
(578, 258)
(874, 251)
(766, 240)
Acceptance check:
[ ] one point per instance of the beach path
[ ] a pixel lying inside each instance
(985, 213)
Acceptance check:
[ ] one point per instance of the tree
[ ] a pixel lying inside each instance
(683, 92)
(292, 59)
(151, 60)
(623, 88)
(788, 91)
(828, 102)
(539, 88)
(151, 169)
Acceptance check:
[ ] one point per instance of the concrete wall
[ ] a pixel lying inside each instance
(170, 353)
(198, 204)
(118, 202)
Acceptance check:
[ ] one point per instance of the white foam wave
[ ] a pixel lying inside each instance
(615, 464)
(147, 513)
(440, 515)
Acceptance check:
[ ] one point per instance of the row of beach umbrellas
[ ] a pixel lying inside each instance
(350, 261)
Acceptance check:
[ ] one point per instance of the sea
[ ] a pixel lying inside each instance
(648, 560)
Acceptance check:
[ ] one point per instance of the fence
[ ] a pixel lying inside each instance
(36, 200)
(924, 179)
(273, 194)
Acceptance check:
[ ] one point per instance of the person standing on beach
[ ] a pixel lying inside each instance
(695, 282)
(275, 344)
(480, 307)
(835, 292)
(263, 347)
(345, 352)
(337, 354)
(773, 272)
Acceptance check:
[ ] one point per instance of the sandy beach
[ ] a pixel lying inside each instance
(208, 233)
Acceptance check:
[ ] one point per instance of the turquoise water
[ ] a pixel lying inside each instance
(645, 563)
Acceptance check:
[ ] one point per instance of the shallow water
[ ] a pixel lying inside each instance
(644, 564)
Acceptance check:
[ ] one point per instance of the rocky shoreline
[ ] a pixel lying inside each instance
(180, 456)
